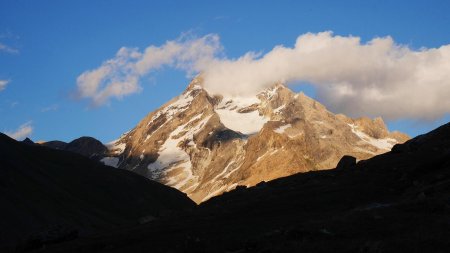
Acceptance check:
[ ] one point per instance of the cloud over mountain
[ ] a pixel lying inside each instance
(375, 78)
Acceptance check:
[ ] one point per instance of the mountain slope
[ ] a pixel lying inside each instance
(204, 145)
(394, 202)
(49, 194)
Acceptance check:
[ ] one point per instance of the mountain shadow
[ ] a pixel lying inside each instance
(49, 196)
(394, 202)
(87, 146)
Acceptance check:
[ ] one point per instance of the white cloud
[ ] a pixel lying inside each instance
(8, 49)
(3, 84)
(25, 130)
(377, 78)
(119, 76)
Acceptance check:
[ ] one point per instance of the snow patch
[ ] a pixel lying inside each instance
(110, 161)
(278, 109)
(282, 129)
(232, 103)
(385, 144)
(267, 153)
(179, 105)
(192, 186)
(186, 175)
(231, 187)
(225, 170)
(269, 93)
(170, 155)
(231, 172)
(115, 147)
(246, 123)
(196, 87)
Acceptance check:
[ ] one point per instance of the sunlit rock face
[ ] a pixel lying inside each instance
(205, 145)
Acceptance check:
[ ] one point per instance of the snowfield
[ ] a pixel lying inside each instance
(247, 123)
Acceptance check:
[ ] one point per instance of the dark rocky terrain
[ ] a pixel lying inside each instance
(87, 146)
(395, 202)
(49, 196)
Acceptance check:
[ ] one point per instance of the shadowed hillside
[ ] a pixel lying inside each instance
(395, 202)
(50, 195)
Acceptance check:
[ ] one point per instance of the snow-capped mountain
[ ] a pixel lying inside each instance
(205, 145)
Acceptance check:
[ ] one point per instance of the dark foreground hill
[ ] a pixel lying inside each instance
(49, 196)
(395, 202)
(87, 146)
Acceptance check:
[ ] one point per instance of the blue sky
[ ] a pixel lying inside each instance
(46, 45)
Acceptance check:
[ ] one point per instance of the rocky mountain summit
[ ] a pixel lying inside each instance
(205, 145)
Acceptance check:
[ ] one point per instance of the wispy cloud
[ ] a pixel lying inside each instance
(377, 78)
(119, 77)
(8, 49)
(25, 130)
(3, 84)
(53, 107)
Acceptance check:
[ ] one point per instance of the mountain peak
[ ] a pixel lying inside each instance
(28, 141)
(196, 83)
(204, 145)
